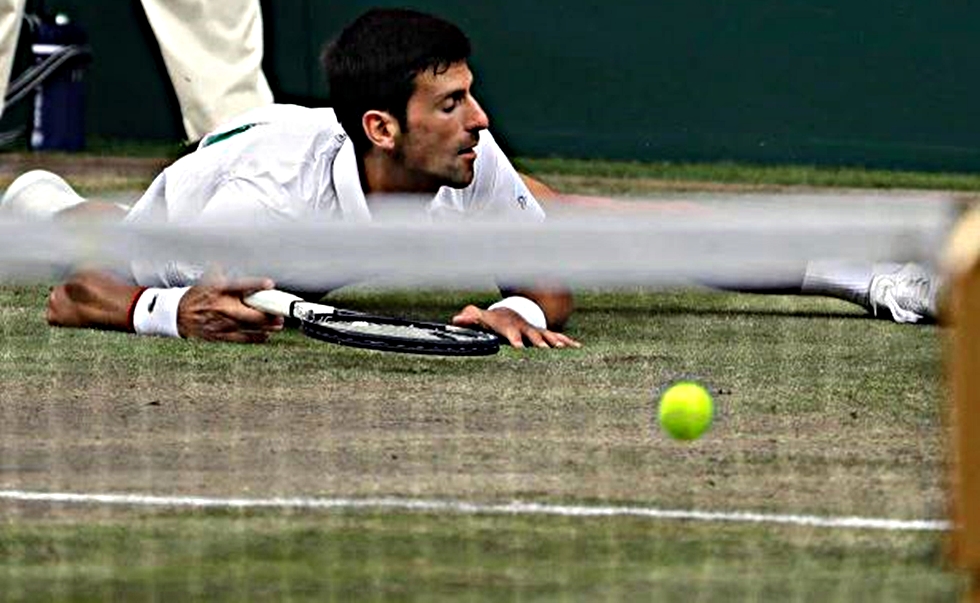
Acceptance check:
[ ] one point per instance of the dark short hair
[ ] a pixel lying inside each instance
(373, 63)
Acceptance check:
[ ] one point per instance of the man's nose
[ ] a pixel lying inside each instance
(478, 119)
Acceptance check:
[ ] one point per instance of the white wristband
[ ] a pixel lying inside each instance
(527, 309)
(155, 312)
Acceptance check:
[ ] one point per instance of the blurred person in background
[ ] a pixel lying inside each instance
(213, 51)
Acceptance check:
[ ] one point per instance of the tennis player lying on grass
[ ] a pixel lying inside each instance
(404, 121)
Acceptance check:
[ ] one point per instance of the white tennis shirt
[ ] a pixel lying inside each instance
(286, 162)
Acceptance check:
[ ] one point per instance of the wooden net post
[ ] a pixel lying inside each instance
(962, 268)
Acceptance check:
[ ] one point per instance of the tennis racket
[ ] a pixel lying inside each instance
(386, 334)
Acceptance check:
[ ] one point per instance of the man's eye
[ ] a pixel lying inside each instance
(453, 102)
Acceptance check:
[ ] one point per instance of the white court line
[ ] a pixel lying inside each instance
(469, 508)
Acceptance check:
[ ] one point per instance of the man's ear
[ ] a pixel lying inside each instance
(381, 128)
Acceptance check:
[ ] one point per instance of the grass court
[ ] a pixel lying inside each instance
(821, 411)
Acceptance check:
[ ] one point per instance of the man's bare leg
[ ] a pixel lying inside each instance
(902, 292)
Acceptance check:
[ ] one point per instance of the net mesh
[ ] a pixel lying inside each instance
(146, 468)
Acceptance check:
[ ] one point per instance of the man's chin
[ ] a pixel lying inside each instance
(458, 178)
(458, 183)
(463, 179)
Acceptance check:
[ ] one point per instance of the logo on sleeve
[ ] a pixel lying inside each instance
(152, 304)
(522, 201)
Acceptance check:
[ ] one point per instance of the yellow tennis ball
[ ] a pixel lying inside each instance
(686, 410)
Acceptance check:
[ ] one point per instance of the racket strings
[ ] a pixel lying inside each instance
(404, 331)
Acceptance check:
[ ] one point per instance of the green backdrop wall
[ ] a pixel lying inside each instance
(876, 83)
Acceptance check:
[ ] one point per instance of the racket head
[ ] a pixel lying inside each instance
(389, 334)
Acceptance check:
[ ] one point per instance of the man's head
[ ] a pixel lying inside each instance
(400, 85)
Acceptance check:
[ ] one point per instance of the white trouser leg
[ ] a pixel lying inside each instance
(11, 15)
(213, 52)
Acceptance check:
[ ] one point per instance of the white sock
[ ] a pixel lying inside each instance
(849, 281)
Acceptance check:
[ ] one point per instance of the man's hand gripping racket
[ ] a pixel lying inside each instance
(387, 334)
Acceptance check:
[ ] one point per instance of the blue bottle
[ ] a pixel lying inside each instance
(59, 102)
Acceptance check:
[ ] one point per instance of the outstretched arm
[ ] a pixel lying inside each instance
(532, 315)
(515, 317)
(92, 299)
(535, 315)
(556, 302)
(214, 312)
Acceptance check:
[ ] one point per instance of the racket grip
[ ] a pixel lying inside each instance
(272, 301)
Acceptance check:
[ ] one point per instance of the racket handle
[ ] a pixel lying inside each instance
(272, 301)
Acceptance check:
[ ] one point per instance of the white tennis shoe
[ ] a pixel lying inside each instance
(908, 293)
(38, 195)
